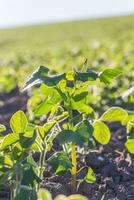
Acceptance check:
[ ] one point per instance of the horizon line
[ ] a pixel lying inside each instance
(52, 22)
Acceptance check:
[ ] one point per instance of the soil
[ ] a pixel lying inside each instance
(112, 164)
(10, 103)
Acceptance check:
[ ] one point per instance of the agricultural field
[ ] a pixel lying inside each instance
(67, 111)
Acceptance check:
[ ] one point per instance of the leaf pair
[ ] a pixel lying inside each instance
(41, 76)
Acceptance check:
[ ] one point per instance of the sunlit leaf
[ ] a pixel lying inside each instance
(43, 194)
(18, 122)
(90, 177)
(9, 139)
(114, 114)
(108, 75)
(101, 132)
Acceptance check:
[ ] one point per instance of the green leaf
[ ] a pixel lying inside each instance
(130, 117)
(27, 139)
(77, 119)
(47, 105)
(81, 106)
(30, 177)
(44, 108)
(5, 161)
(9, 139)
(2, 128)
(18, 122)
(108, 75)
(40, 76)
(43, 194)
(65, 136)
(114, 114)
(79, 137)
(53, 80)
(130, 126)
(130, 145)
(71, 197)
(84, 133)
(86, 76)
(90, 177)
(44, 130)
(35, 77)
(60, 162)
(101, 132)
(80, 96)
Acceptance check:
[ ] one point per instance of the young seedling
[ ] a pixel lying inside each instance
(81, 127)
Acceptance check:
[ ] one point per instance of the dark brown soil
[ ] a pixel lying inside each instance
(10, 103)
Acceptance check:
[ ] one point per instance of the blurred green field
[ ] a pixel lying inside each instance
(100, 43)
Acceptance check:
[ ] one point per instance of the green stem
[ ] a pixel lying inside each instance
(74, 168)
(73, 158)
(41, 164)
(12, 191)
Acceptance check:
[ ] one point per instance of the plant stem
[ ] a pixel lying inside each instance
(41, 164)
(73, 157)
(74, 168)
(12, 191)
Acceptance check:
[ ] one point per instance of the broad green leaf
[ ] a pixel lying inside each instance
(35, 77)
(27, 139)
(5, 160)
(65, 136)
(40, 76)
(44, 108)
(43, 194)
(9, 139)
(18, 122)
(2, 128)
(80, 137)
(81, 106)
(53, 80)
(30, 177)
(44, 130)
(114, 114)
(108, 75)
(76, 197)
(61, 197)
(71, 197)
(47, 105)
(130, 117)
(77, 119)
(80, 96)
(90, 75)
(130, 145)
(90, 177)
(60, 162)
(101, 132)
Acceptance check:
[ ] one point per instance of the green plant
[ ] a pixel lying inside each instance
(16, 157)
(69, 92)
(17, 166)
